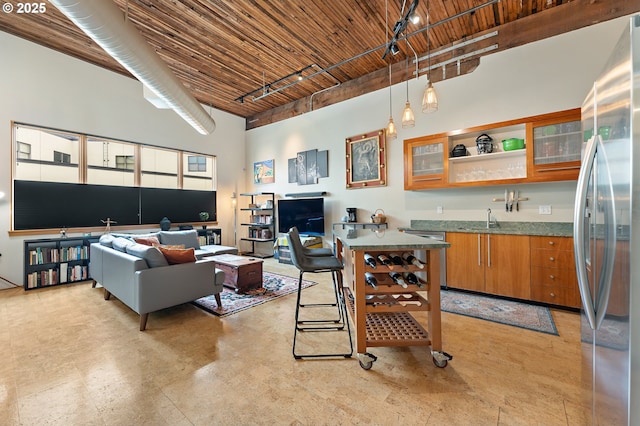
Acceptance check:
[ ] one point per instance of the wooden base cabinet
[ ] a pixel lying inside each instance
(553, 272)
(508, 266)
(465, 261)
(489, 263)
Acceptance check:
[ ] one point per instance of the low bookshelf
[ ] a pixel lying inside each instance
(56, 261)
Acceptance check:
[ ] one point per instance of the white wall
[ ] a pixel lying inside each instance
(542, 77)
(42, 87)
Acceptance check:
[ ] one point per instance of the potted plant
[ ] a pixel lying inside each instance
(204, 216)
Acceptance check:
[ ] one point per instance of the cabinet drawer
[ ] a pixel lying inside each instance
(554, 277)
(556, 243)
(552, 258)
(562, 296)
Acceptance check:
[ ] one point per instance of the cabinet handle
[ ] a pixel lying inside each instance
(489, 250)
(552, 259)
(553, 169)
(552, 294)
(551, 243)
(479, 259)
(426, 179)
(553, 277)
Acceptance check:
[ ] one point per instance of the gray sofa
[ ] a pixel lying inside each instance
(141, 278)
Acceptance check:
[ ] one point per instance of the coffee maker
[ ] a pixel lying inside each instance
(351, 214)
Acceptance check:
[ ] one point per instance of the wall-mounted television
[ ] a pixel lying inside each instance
(306, 214)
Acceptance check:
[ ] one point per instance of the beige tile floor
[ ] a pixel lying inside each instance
(68, 357)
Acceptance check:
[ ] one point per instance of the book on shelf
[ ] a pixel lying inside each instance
(64, 272)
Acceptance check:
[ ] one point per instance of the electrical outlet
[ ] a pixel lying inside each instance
(544, 209)
(439, 209)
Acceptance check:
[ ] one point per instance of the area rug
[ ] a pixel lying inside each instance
(523, 315)
(273, 286)
(613, 334)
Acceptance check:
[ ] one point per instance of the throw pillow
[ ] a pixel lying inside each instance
(151, 255)
(107, 240)
(121, 244)
(170, 246)
(175, 256)
(189, 238)
(147, 241)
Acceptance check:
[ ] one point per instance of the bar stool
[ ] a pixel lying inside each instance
(318, 264)
(314, 252)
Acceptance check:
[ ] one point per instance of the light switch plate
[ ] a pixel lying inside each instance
(544, 209)
(439, 209)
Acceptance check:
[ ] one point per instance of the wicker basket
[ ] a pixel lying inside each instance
(378, 216)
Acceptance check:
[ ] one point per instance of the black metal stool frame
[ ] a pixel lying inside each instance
(318, 264)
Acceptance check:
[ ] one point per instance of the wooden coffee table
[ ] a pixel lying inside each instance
(240, 273)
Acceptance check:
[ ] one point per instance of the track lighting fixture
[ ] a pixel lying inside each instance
(394, 49)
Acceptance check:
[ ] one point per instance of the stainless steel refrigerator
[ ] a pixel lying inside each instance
(607, 237)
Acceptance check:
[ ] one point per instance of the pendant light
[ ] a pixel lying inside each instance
(391, 131)
(408, 119)
(429, 98)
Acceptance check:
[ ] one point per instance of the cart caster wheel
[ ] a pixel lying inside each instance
(366, 365)
(440, 359)
(440, 363)
(366, 360)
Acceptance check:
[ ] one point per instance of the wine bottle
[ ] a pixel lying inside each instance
(397, 260)
(411, 278)
(370, 260)
(383, 259)
(371, 279)
(397, 278)
(412, 259)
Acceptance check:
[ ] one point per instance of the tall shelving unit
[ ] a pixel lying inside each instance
(261, 222)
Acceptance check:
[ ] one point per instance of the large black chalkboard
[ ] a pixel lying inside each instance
(45, 205)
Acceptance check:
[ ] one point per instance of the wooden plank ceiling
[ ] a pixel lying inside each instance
(245, 56)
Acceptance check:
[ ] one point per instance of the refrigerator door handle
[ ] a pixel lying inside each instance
(610, 239)
(579, 218)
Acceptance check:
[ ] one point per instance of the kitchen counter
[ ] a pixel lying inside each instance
(556, 229)
(368, 239)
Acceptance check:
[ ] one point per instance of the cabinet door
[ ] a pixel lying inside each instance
(465, 261)
(556, 150)
(424, 162)
(507, 272)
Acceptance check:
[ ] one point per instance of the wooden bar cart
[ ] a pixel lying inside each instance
(382, 315)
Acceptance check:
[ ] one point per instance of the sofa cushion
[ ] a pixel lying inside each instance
(147, 241)
(150, 254)
(189, 238)
(120, 244)
(107, 240)
(175, 256)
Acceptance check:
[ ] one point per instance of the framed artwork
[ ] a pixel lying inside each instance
(366, 160)
(308, 167)
(263, 172)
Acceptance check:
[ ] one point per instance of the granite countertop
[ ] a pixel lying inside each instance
(556, 229)
(368, 239)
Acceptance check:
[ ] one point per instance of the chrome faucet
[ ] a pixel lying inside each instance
(489, 221)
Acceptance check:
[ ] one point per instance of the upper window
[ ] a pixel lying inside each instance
(197, 163)
(125, 162)
(110, 162)
(159, 168)
(46, 155)
(61, 157)
(198, 172)
(23, 151)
